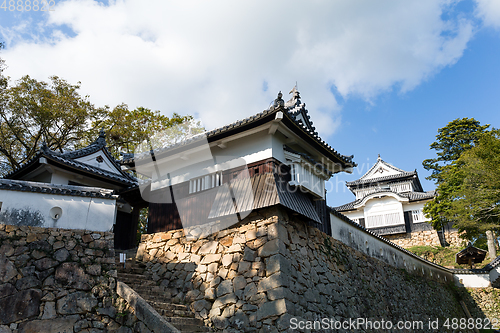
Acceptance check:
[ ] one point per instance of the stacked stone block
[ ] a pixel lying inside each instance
(272, 268)
(425, 238)
(57, 280)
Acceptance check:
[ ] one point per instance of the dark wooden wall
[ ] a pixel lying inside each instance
(324, 215)
(125, 229)
(187, 210)
(196, 207)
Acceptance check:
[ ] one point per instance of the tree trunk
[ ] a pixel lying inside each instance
(491, 245)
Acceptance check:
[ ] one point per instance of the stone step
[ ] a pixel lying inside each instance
(178, 322)
(165, 305)
(178, 315)
(174, 313)
(134, 270)
(160, 297)
(193, 328)
(133, 275)
(135, 278)
(130, 264)
(136, 281)
(150, 290)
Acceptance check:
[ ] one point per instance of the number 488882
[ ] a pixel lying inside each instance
(28, 5)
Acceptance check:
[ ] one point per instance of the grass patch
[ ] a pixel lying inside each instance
(444, 256)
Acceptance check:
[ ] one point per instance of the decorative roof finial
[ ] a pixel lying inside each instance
(379, 157)
(295, 99)
(279, 102)
(101, 140)
(44, 146)
(295, 92)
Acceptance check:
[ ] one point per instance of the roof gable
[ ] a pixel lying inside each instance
(298, 110)
(384, 173)
(100, 160)
(93, 161)
(382, 169)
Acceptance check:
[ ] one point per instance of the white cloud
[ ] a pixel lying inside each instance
(211, 58)
(489, 12)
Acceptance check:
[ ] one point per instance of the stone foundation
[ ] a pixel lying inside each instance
(273, 271)
(453, 238)
(488, 300)
(425, 238)
(59, 280)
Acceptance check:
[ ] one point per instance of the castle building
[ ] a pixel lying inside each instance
(389, 202)
(275, 157)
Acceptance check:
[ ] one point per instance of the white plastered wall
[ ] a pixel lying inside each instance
(473, 280)
(381, 206)
(386, 251)
(354, 214)
(415, 206)
(62, 177)
(206, 160)
(106, 164)
(33, 208)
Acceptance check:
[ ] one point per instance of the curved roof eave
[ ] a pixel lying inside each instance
(247, 124)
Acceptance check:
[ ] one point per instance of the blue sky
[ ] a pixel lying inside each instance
(378, 77)
(400, 127)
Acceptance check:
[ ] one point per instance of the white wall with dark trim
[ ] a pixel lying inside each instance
(57, 211)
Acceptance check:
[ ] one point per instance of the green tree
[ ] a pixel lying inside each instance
(475, 204)
(127, 129)
(451, 142)
(32, 111)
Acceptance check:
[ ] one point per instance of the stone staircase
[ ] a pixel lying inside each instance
(179, 315)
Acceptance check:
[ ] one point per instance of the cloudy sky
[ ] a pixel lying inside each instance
(378, 77)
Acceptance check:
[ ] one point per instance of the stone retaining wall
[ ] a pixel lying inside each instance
(488, 300)
(273, 271)
(58, 280)
(425, 238)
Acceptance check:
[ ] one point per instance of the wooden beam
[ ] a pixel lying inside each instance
(275, 123)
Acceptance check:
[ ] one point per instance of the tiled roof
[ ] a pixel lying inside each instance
(298, 110)
(83, 191)
(124, 178)
(381, 179)
(412, 196)
(98, 144)
(415, 196)
(493, 264)
(67, 158)
(347, 206)
(381, 161)
(279, 105)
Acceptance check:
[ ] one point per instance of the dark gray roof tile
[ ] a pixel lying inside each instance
(381, 179)
(67, 158)
(124, 178)
(83, 191)
(217, 131)
(412, 196)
